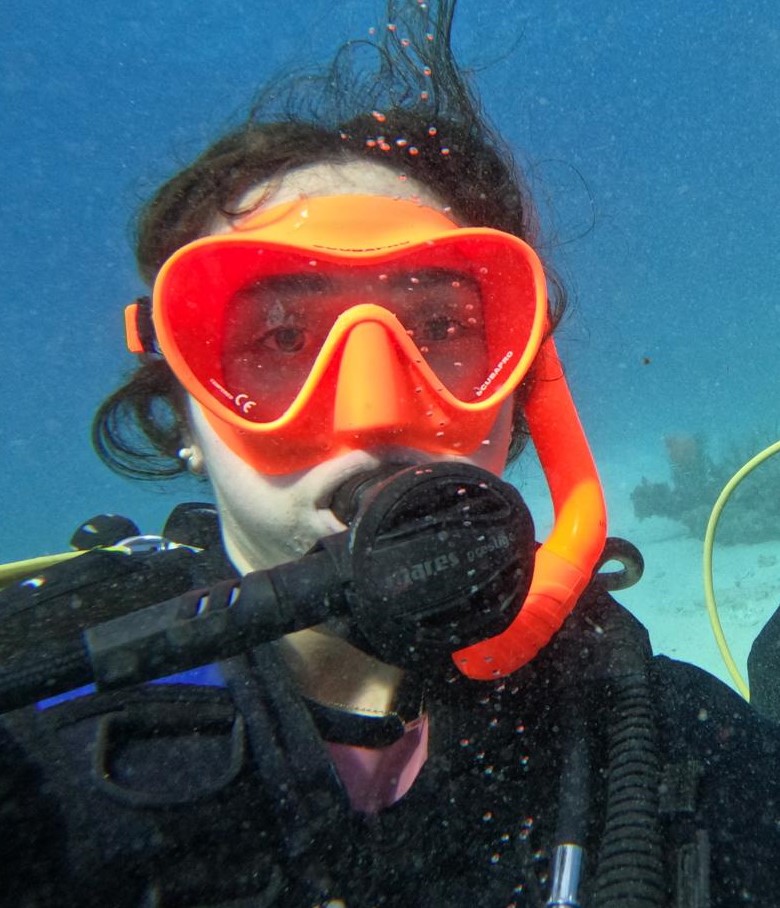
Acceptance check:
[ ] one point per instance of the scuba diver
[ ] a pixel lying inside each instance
(359, 680)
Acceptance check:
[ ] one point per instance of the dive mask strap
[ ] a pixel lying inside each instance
(139, 328)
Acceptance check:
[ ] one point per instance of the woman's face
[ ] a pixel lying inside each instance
(268, 520)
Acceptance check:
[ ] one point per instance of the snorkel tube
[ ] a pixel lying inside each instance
(566, 560)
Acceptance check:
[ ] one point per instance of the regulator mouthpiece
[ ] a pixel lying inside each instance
(442, 557)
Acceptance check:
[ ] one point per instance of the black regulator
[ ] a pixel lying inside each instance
(436, 557)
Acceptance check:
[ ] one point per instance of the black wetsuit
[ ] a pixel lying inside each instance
(179, 795)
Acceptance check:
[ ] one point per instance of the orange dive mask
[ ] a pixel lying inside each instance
(328, 324)
(333, 323)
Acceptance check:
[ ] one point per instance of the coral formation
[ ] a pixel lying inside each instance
(753, 514)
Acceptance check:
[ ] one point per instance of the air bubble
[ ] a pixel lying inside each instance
(383, 277)
(487, 442)
(455, 284)
(313, 263)
(424, 95)
(429, 37)
(378, 116)
(413, 150)
(391, 27)
(370, 143)
(471, 321)
(487, 816)
(432, 130)
(427, 71)
(405, 42)
(495, 858)
(483, 270)
(445, 151)
(402, 143)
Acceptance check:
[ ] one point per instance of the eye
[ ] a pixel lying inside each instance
(439, 328)
(284, 339)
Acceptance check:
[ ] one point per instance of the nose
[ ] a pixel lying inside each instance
(374, 389)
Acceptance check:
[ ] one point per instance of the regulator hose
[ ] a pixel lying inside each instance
(630, 870)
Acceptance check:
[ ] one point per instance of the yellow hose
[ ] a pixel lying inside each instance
(709, 539)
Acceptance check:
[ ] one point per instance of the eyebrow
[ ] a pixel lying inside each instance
(296, 282)
(432, 277)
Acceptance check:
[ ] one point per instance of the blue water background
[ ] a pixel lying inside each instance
(659, 120)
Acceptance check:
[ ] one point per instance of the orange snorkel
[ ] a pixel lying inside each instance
(566, 560)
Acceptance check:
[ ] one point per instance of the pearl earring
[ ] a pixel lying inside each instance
(193, 458)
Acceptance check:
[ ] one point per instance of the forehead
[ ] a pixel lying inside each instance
(334, 178)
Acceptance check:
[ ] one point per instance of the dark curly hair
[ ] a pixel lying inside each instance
(414, 113)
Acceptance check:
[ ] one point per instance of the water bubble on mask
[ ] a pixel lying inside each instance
(427, 71)
(378, 116)
(432, 130)
(424, 95)
(445, 151)
(413, 150)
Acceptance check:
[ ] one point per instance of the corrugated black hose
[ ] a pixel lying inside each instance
(630, 869)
